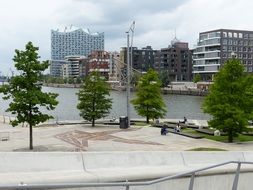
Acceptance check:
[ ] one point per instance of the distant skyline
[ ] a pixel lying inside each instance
(156, 21)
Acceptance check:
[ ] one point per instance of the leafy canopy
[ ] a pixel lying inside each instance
(148, 101)
(230, 99)
(94, 102)
(197, 78)
(25, 91)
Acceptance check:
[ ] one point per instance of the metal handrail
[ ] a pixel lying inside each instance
(127, 184)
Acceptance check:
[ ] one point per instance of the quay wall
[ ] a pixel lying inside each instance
(86, 167)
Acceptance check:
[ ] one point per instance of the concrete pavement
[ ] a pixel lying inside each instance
(82, 137)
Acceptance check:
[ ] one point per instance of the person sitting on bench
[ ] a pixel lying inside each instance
(164, 130)
(184, 121)
(178, 128)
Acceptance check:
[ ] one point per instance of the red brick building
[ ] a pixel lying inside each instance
(99, 61)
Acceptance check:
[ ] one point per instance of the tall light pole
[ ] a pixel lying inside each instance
(131, 29)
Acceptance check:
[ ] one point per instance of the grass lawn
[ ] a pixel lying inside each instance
(142, 123)
(206, 149)
(240, 138)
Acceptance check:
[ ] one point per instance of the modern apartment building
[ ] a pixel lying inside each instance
(175, 61)
(56, 67)
(114, 67)
(71, 66)
(215, 47)
(74, 41)
(142, 59)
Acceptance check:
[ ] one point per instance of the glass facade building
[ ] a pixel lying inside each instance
(74, 42)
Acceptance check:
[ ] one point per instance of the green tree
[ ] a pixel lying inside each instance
(196, 78)
(135, 78)
(164, 77)
(78, 80)
(71, 80)
(93, 98)
(149, 102)
(230, 99)
(26, 94)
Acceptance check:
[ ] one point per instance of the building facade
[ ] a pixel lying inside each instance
(71, 66)
(175, 61)
(56, 67)
(215, 47)
(74, 42)
(99, 61)
(142, 59)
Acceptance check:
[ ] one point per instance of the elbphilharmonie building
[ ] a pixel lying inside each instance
(75, 42)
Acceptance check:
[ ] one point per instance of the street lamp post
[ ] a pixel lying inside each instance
(131, 29)
(128, 82)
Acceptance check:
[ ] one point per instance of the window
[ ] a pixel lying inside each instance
(225, 34)
(225, 41)
(235, 35)
(224, 55)
(235, 42)
(230, 35)
(224, 48)
(246, 36)
(230, 42)
(240, 35)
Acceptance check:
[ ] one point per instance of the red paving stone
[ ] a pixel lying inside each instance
(80, 138)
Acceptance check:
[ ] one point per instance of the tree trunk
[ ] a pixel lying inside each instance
(31, 136)
(147, 119)
(93, 122)
(230, 137)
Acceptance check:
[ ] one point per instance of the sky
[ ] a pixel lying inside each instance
(156, 22)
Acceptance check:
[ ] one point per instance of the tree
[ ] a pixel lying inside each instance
(78, 80)
(164, 77)
(230, 99)
(149, 102)
(93, 98)
(197, 78)
(25, 92)
(135, 78)
(71, 80)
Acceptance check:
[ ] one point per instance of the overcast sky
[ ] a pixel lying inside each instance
(156, 21)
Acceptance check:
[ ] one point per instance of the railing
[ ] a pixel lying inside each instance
(128, 184)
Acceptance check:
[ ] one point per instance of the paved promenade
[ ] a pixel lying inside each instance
(82, 137)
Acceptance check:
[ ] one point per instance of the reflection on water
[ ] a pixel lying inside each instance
(178, 105)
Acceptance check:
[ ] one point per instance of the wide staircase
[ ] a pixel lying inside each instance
(156, 170)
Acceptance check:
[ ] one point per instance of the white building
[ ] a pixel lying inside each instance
(74, 41)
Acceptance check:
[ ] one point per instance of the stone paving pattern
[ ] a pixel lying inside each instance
(82, 137)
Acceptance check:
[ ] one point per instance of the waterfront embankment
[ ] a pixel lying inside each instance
(177, 90)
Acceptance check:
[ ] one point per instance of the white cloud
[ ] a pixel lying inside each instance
(156, 21)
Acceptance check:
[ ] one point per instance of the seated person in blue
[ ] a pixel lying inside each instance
(164, 130)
